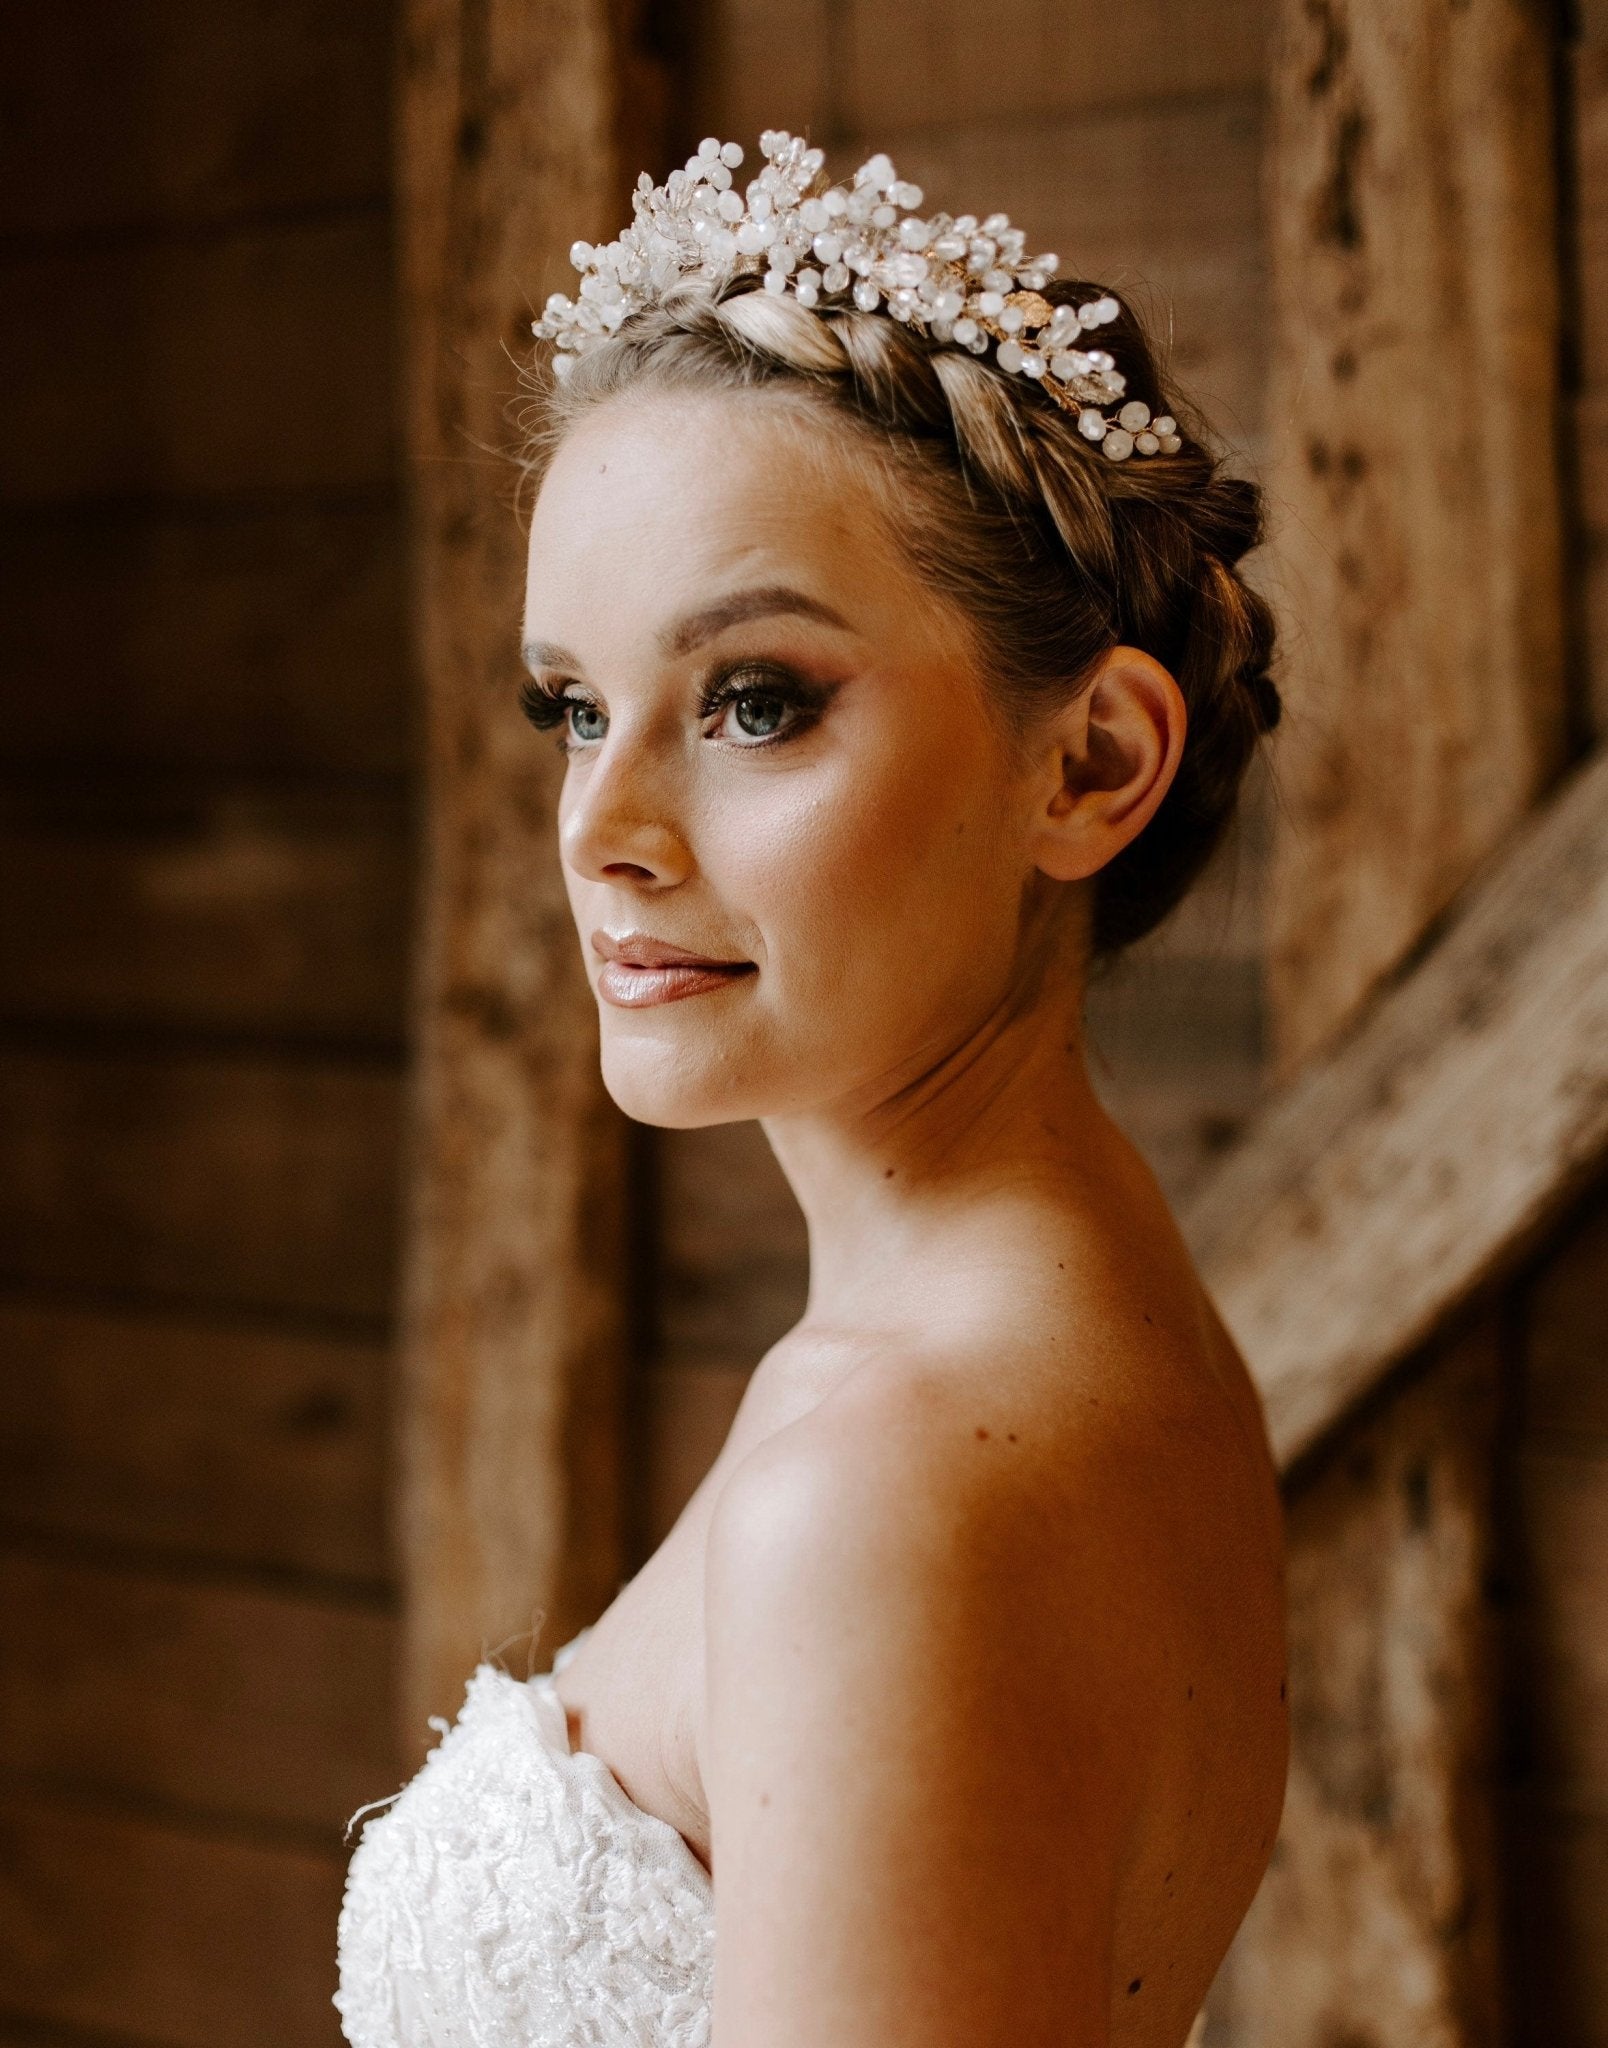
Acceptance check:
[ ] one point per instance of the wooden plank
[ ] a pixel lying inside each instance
(1379, 1918)
(733, 1250)
(1036, 60)
(1417, 542)
(687, 1414)
(259, 361)
(1160, 202)
(1587, 142)
(261, 639)
(1423, 1156)
(514, 1338)
(740, 88)
(1560, 1879)
(1563, 1588)
(198, 906)
(239, 1703)
(208, 1441)
(260, 1183)
(184, 112)
(183, 1938)
(1564, 1306)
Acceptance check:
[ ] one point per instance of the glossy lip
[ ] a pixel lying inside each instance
(639, 971)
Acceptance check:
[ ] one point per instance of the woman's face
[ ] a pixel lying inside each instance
(795, 841)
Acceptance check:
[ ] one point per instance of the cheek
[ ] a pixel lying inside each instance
(899, 872)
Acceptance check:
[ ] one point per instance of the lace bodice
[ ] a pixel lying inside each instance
(514, 1896)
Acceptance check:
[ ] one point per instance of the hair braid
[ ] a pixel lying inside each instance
(1056, 553)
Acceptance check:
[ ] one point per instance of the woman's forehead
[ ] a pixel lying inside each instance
(655, 503)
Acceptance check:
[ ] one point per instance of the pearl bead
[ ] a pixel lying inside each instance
(866, 296)
(1147, 444)
(1118, 444)
(1009, 355)
(775, 281)
(966, 332)
(1164, 424)
(731, 154)
(1134, 415)
(836, 277)
(1091, 424)
(1170, 444)
(991, 304)
(709, 147)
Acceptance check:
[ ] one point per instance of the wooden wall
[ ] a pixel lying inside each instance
(1127, 140)
(204, 772)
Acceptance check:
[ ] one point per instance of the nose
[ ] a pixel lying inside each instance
(618, 822)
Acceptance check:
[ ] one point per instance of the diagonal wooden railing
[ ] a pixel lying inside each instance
(1416, 1161)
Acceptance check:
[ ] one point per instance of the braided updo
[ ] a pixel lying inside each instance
(1055, 552)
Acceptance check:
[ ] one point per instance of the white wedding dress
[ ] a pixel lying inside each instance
(514, 1896)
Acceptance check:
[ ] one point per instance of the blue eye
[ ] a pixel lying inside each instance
(761, 714)
(587, 723)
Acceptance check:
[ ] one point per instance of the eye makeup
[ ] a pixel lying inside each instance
(764, 687)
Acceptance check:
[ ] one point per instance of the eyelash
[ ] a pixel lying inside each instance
(547, 704)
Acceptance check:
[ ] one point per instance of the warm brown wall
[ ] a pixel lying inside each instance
(204, 766)
(1555, 1477)
(1127, 140)
(1556, 1496)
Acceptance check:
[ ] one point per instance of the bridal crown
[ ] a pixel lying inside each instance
(966, 282)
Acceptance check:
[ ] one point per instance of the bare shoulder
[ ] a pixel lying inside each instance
(1019, 1633)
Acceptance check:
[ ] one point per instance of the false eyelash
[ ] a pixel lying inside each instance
(764, 679)
(546, 705)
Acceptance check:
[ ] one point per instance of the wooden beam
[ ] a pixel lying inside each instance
(513, 1337)
(1415, 486)
(1379, 1920)
(1421, 1157)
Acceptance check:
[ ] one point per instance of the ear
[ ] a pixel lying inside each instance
(1108, 759)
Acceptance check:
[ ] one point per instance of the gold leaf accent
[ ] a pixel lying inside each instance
(1034, 308)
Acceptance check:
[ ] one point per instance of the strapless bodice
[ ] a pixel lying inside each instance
(514, 1896)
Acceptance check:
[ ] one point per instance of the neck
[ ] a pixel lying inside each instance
(898, 1186)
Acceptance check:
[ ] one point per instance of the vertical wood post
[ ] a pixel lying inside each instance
(1417, 558)
(512, 1345)
(1415, 488)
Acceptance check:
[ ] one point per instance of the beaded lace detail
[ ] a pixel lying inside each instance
(514, 1896)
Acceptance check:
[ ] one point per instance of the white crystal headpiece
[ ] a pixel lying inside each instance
(966, 282)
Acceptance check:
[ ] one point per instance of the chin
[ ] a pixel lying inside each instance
(679, 1088)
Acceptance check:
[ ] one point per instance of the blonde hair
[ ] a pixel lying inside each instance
(1054, 552)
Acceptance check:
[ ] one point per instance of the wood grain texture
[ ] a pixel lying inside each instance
(195, 906)
(1560, 1880)
(1425, 1153)
(255, 362)
(1586, 145)
(253, 1182)
(255, 639)
(1415, 314)
(192, 906)
(182, 1937)
(513, 1323)
(1565, 1320)
(1379, 1920)
(226, 1702)
(190, 111)
(1041, 58)
(204, 1442)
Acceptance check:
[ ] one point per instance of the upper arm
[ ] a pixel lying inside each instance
(919, 1786)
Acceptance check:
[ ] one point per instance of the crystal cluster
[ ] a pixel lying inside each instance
(967, 282)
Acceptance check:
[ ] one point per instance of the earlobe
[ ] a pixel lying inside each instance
(1116, 749)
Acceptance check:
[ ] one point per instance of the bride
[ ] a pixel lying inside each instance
(891, 626)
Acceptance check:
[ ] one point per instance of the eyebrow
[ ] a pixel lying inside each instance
(771, 600)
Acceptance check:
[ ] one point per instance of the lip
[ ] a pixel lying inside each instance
(639, 971)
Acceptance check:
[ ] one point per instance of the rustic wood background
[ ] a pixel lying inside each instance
(209, 862)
